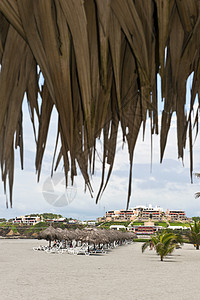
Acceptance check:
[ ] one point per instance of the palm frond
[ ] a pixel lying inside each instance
(145, 246)
(197, 195)
(194, 233)
(100, 60)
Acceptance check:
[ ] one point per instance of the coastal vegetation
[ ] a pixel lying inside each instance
(164, 243)
(35, 228)
(107, 225)
(196, 219)
(163, 224)
(137, 223)
(194, 234)
(185, 224)
(31, 231)
(46, 215)
(14, 229)
(2, 220)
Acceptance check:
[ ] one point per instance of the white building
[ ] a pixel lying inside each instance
(27, 220)
(117, 227)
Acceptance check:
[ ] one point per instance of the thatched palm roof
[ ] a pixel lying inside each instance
(49, 234)
(100, 60)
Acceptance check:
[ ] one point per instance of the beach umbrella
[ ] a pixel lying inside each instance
(78, 233)
(99, 61)
(109, 234)
(73, 234)
(113, 235)
(120, 235)
(132, 235)
(104, 236)
(91, 236)
(49, 234)
(59, 234)
(81, 234)
(127, 235)
(66, 234)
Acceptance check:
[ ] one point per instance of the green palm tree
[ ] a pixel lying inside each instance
(164, 243)
(194, 234)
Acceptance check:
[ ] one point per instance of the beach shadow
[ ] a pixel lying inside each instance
(171, 261)
(167, 259)
(191, 249)
(97, 254)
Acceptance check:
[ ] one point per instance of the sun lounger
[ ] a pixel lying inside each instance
(56, 249)
(97, 251)
(40, 248)
(79, 250)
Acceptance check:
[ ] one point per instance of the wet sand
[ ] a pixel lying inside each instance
(123, 273)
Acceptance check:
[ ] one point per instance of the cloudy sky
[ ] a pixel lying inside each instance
(167, 185)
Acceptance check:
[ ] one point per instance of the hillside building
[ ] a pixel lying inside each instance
(176, 215)
(27, 220)
(142, 214)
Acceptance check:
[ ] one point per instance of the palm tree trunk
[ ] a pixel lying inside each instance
(197, 247)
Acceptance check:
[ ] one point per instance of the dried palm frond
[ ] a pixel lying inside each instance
(100, 60)
(197, 195)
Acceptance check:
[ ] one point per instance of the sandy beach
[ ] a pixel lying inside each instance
(123, 273)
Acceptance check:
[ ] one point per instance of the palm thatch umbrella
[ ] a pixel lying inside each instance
(113, 235)
(49, 234)
(118, 235)
(66, 234)
(78, 234)
(59, 234)
(91, 236)
(107, 235)
(104, 236)
(63, 235)
(100, 60)
(132, 235)
(73, 234)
